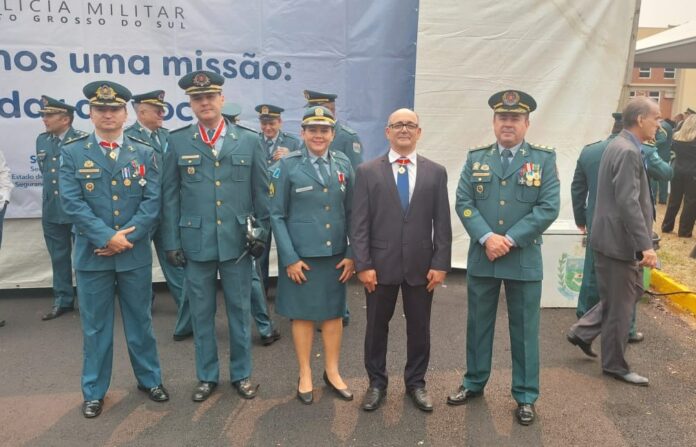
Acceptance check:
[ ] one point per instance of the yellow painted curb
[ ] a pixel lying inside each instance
(662, 283)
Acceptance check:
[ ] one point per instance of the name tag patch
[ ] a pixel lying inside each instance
(304, 188)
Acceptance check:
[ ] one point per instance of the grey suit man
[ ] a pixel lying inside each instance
(402, 240)
(621, 239)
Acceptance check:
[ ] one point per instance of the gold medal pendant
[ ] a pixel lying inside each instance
(191, 170)
(112, 155)
(537, 183)
(401, 170)
(127, 182)
(142, 182)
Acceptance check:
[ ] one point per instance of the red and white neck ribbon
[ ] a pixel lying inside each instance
(204, 135)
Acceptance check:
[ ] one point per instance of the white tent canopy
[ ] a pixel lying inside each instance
(675, 47)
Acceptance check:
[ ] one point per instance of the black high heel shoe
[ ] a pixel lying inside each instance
(344, 394)
(306, 398)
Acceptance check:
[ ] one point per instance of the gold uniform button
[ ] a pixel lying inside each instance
(114, 182)
(54, 181)
(53, 169)
(219, 222)
(54, 159)
(55, 193)
(115, 197)
(217, 183)
(328, 225)
(326, 189)
(328, 243)
(242, 161)
(500, 222)
(116, 227)
(117, 212)
(504, 182)
(188, 223)
(218, 203)
(217, 164)
(327, 208)
(502, 202)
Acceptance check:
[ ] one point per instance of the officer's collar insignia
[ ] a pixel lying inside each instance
(195, 135)
(511, 98)
(130, 148)
(88, 145)
(524, 152)
(201, 80)
(105, 92)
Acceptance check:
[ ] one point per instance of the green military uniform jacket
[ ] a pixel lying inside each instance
(658, 169)
(347, 142)
(309, 218)
(284, 139)
(663, 141)
(207, 198)
(48, 158)
(138, 131)
(489, 200)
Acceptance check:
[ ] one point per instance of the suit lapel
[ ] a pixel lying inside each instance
(197, 142)
(518, 160)
(94, 153)
(388, 175)
(421, 175)
(125, 156)
(308, 169)
(494, 164)
(230, 141)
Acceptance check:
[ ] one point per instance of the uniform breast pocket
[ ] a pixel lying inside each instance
(482, 187)
(190, 169)
(135, 190)
(241, 167)
(90, 182)
(525, 193)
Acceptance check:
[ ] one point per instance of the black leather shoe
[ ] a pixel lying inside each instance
(421, 399)
(373, 398)
(586, 347)
(462, 396)
(92, 408)
(180, 337)
(525, 414)
(203, 391)
(636, 338)
(344, 394)
(158, 393)
(2, 323)
(270, 339)
(56, 312)
(306, 398)
(245, 388)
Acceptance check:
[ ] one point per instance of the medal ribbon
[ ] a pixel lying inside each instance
(204, 135)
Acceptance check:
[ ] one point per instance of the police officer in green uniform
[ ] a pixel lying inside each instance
(583, 193)
(346, 141)
(663, 143)
(57, 118)
(109, 184)
(310, 213)
(214, 179)
(149, 110)
(508, 195)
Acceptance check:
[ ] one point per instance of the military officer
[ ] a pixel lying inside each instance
(109, 184)
(214, 179)
(508, 195)
(663, 142)
(277, 142)
(57, 118)
(149, 110)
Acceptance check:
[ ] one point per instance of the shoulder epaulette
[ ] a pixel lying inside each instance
(348, 129)
(132, 126)
(76, 138)
(181, 128)
(42, 134)
(592, 144)
(245, 127)
(80, 132)
(139, 140)
(542, 147)
(338, 155)
(293, 154)
(479, 148)
(291, 136)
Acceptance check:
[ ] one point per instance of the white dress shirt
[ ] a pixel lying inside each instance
(411, 168)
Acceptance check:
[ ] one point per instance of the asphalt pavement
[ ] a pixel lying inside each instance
(40, 396)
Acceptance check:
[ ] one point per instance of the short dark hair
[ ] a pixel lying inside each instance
(637, 107)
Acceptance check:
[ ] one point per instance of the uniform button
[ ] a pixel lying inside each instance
(535, 241)
(217, 164)
(114, 182)
(242, 161)
(53, 169)
(328, 243)
(502, 202)
(117, 212)
(504, 182)
(328, 225)
(500, 222)
(55, 193)
(327, 208)
(188, 223)
(217, 183)
(326, 189)
(54, 159)
(218, 203)
(115, 197)
(54, 181)
(219, 222)
(116, 227)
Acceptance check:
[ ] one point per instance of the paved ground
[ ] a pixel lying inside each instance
(40, 388)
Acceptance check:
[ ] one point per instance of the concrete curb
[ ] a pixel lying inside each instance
(662, 283)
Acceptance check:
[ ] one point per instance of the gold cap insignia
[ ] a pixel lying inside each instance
(264, 110)
(319, 112)
(105, 92)
(201, 80)
(511, 98)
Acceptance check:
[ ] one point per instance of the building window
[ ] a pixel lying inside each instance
(632, 94)
(654, 95)
(670, 73)
(644, 73)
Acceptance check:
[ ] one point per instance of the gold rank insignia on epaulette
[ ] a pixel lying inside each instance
(75, 138)
(479, 148)
(139, 140)
(541, 147)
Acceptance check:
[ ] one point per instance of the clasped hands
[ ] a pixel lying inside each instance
(295, 270)
(369, 279)
(117, 244)
(497, 246)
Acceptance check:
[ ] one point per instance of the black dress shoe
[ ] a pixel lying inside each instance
(636, 338)
(245, 388)
(203, 391)
(180, 337)
(373, 398)
(92, 408)
(56, 312)
(462, 396)
(2, 323)
(525, 414)
(586, 347)
(270, 339)
(421, 399)
(158, 393)
(306, 398)
(344, 394)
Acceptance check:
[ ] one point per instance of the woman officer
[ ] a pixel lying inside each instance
(310, 212)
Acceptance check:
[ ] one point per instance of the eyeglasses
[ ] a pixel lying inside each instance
(400, 125)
